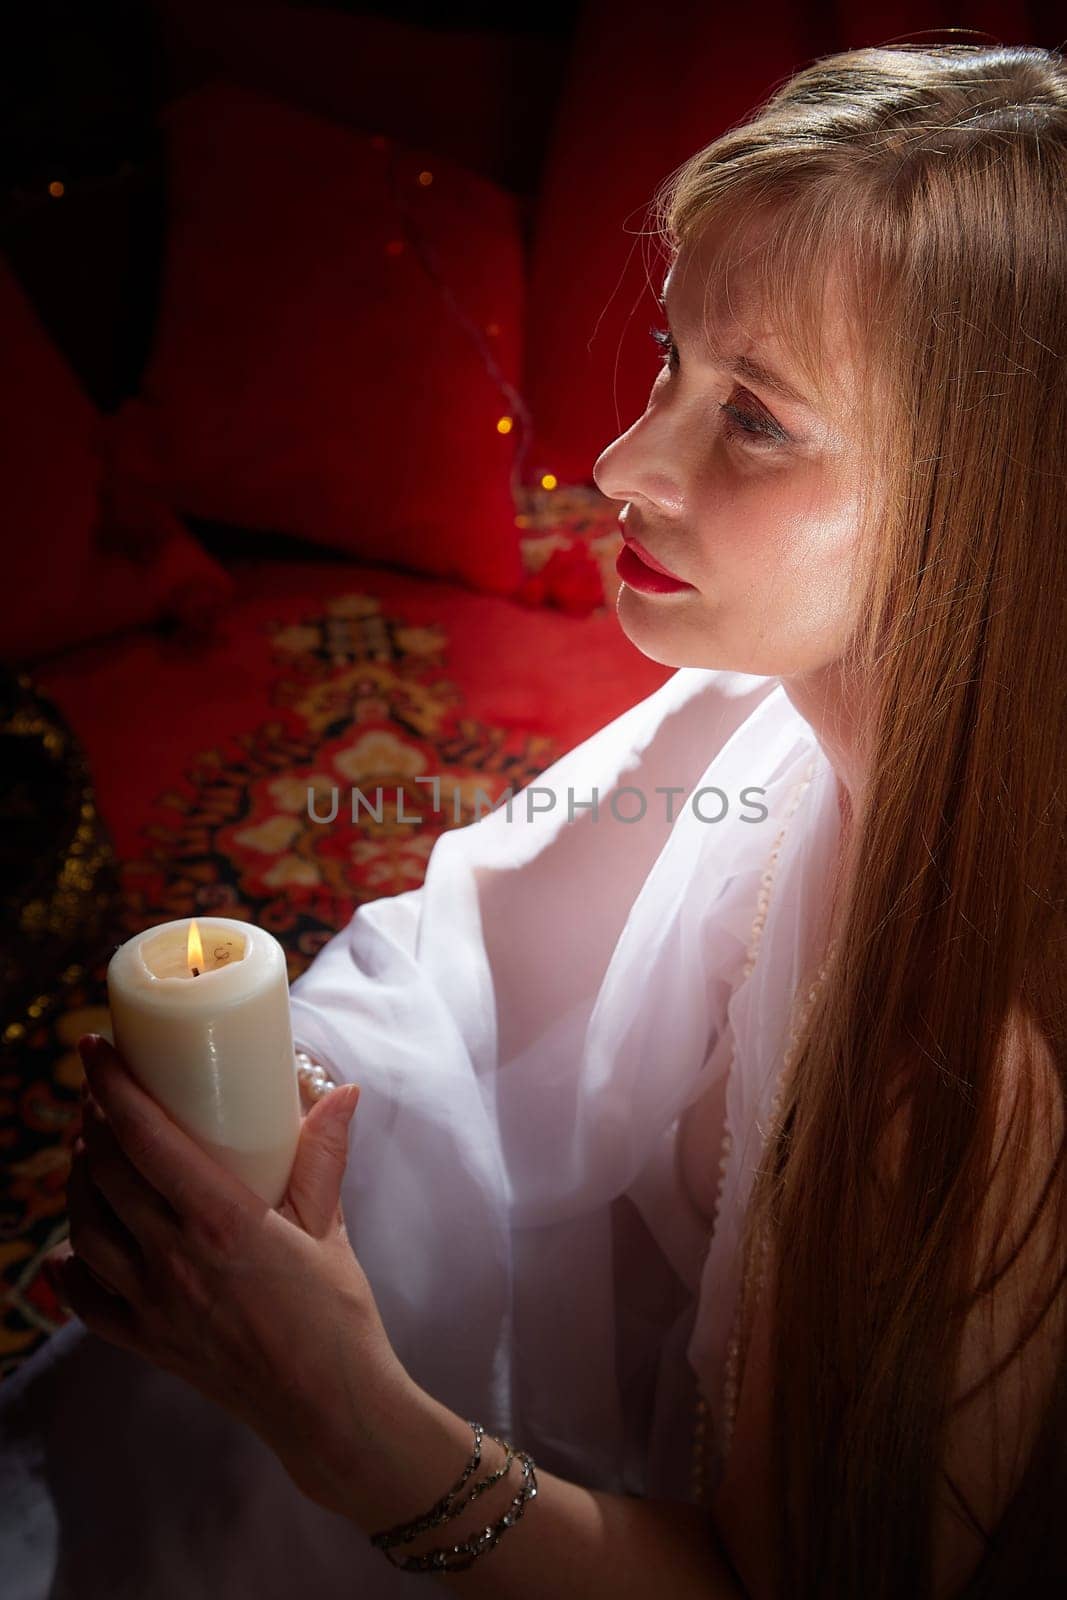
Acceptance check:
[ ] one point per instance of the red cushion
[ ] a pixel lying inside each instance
(310, 378)
(88, 547)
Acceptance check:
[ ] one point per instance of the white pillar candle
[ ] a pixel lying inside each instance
(200, 1015)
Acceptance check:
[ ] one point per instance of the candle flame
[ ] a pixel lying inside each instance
(195, 951)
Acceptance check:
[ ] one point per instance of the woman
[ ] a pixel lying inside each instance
(840, 958)
(890, 233)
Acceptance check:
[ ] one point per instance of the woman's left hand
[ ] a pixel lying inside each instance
(266, 1312)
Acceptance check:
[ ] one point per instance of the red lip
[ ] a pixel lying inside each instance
(636, 575)
(649, 559)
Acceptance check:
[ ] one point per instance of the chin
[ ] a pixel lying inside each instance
(660, 649)
(652, 642)
(662, 639)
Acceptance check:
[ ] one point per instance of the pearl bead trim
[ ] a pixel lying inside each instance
(312, 1078)
(700, 1464)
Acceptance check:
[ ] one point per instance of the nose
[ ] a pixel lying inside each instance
(603, 475)
(633, 467)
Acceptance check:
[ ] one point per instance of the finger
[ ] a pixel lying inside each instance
(146, 1216)
(103, 1313)
(99, 1239)
(198, 1188)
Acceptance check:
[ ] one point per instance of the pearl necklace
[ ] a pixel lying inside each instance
(699, 1476)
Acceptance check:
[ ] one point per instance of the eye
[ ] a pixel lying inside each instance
(665, 340)
(752, 427)
(759, 429)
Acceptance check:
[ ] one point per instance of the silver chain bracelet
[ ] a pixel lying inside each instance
(446, 1508)
(458, 1557)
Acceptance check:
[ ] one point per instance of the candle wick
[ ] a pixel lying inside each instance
(196, 972)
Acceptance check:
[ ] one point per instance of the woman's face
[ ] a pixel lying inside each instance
(748, 496)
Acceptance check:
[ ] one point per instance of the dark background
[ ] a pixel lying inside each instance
(82, 83)
(81, 86)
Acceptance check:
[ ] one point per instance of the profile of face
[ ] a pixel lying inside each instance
(744, 491)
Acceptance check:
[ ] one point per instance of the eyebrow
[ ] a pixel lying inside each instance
(748, 367)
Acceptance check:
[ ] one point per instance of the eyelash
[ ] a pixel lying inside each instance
(746, 424)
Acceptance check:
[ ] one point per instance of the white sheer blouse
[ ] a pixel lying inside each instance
(527, 1028)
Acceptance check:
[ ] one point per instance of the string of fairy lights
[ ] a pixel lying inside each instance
(518, 412)
(515, 418)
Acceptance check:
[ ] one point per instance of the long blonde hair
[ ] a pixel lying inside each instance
(932, 179)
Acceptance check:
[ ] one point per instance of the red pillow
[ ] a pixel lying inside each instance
(310, 375)
(88, 547)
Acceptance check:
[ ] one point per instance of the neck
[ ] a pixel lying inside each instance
(837, 721)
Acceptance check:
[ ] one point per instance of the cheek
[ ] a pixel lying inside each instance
(798, 522)
(816, 579)
(779, 558)
(754, 527)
